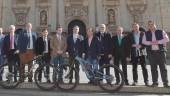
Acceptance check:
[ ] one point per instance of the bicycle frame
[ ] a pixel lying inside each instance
(37, 60)
(94, 74)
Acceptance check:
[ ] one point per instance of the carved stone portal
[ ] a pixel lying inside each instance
(21, 15)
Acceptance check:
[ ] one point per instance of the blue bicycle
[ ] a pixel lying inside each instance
(105, 81)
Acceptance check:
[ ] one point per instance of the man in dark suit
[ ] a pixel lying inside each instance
(138, 53)
(9, 49)
(105, 43)
(26, 46)
(91, 51)
(1, 43)
(42, 47)
(120, 53)
(74, 47)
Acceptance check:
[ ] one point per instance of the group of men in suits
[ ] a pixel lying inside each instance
(19, 49)
(97, 47)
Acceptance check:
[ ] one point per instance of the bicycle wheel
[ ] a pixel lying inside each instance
(10, 76)
(44, 77)
(109, 83)
(66, 80)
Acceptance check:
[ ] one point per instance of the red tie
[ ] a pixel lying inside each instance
(11, 41)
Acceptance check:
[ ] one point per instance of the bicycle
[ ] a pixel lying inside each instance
(11, 80)
(105, 82)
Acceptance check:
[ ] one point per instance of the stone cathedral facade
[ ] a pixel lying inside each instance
(67, 13)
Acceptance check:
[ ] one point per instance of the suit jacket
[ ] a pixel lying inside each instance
(40, 46)
(23, 41)
(74, 48)
(105, 43)
(134, 51)
(93, 50)
(120, 50)
(6, 44)
(57, 45)
(1, 42)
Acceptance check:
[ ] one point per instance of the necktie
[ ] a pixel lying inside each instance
(46, 44)
(29, 38)
(75, 39)
(11, 41)
(119, 40)
(89, 41)
(59, 40)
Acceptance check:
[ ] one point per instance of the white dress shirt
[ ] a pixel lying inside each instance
(30, 44)
(12, 41)
(75, 36)
(46, 44)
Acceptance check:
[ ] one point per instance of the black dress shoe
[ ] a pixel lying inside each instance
(117, 83)
(70, 82)
(146, 84)
(126, 83)
(90, 82)
(39, 81)
(166, 85)
(60, 81)
(154, 85)
(48, 81)
(30, 80)
(134, 84)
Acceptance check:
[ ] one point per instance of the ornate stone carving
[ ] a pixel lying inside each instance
(21, 2)
(111, 2)
(20, 15)
(43, 3)
(76, 11)
(137, 8)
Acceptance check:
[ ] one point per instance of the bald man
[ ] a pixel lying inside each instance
(26, 46)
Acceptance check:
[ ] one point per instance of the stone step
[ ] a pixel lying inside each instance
(83, 87)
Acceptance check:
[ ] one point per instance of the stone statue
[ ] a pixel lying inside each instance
(43, 17)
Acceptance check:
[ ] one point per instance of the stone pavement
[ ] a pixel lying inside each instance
(96, 89)
(84, 87)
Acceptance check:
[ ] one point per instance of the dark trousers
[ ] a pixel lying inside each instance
(58, 62)
(13, 63)
(46, 60)
(158, 58)
(117, 59)
(76, 66)
(135, 62)
(104, 60)
(1, 62)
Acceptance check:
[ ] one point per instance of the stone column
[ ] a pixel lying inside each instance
(100, 14)
(92, 10)
(61, 13)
